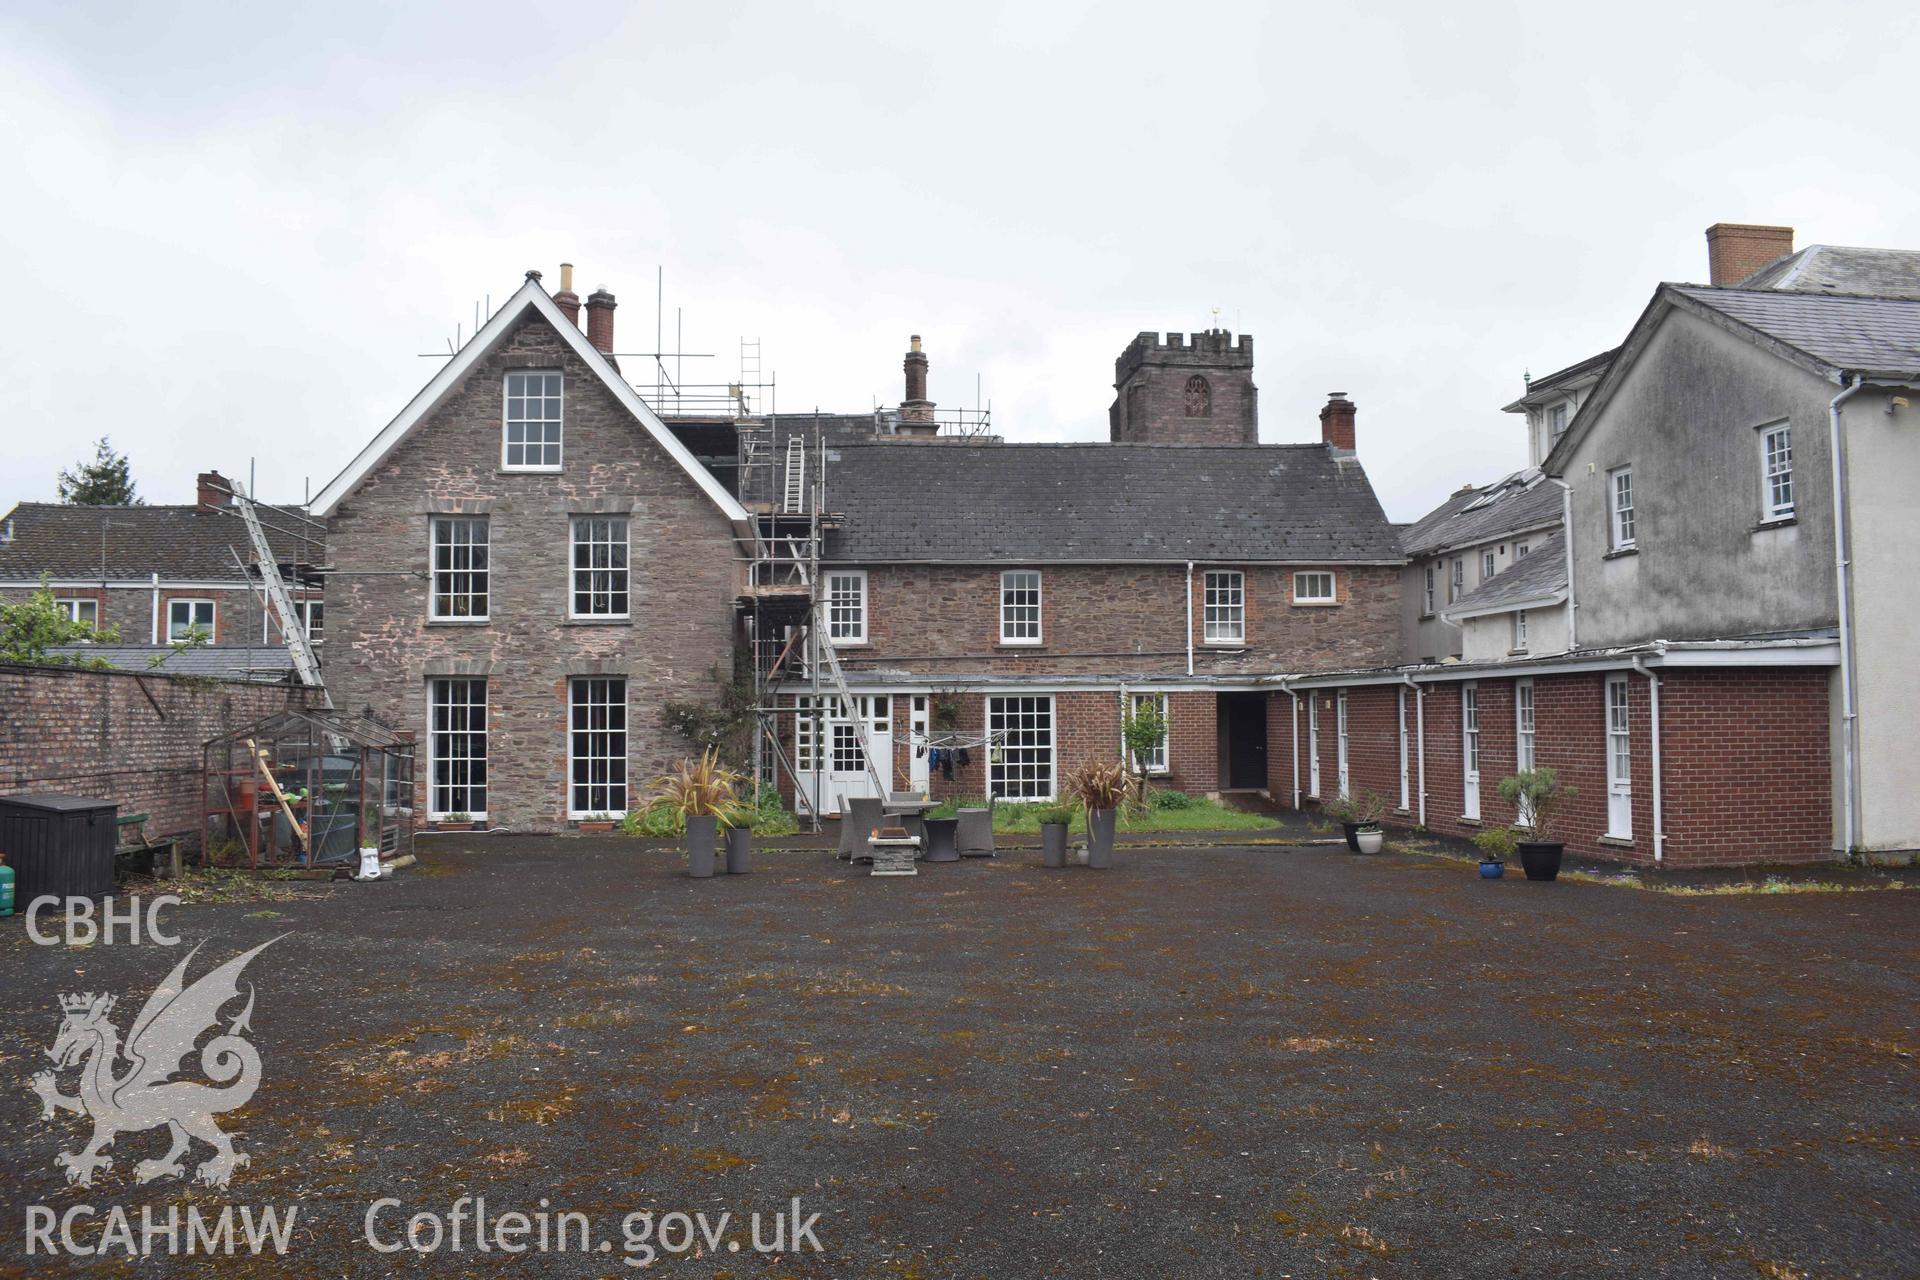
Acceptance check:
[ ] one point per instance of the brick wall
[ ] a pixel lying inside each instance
(382, 648)
(1745, 761)
(938, 620)
(135, 739)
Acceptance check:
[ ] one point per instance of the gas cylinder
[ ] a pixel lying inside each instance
(6, 887)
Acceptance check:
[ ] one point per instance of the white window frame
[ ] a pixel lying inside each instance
(1776, 472)
(1457, 580)
(484, 573)
(1519, 617)
(1489, 565)
(846, 609)
(212, 628)
(1156, 762)
(1558, 416)
(1313, 744)
(1621, 525)
(1015, 583)
(1223, 607)
(1307, 600)
(1433, 577)
(1340, 739)
(618, 578)
(72, 606)
(1470, 748)
(436, 735)
(1618, 702)
(607, 745)
(303, 610)
(1520, 551)
(1003, 713)
(1526, 740)
(1406, 781)
(508, 421)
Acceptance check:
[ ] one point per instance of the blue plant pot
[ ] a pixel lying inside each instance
(1492, 870)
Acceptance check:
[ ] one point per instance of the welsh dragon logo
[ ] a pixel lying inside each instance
(145, 1095)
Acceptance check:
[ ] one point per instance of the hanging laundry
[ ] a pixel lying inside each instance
(966, 757)
(946, 765)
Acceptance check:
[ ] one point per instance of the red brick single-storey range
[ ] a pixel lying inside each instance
(1685, 755)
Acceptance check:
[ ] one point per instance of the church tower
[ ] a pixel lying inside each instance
(1190, 389)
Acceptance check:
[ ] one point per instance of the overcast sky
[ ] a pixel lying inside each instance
(230, 230)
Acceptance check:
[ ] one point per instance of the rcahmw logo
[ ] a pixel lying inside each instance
(146, 1095)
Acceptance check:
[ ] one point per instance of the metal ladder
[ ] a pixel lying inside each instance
(824, 646)
(292, 629)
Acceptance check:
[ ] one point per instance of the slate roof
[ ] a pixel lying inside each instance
(1057, 503)
(1452, 524)
(1541, 572)
(179, 543)
(1853, 334)
(261, 663)
(1836, 268)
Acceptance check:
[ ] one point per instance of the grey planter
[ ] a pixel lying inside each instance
(1053, 844)
(700, 840)
(739, 850)
(1100, 837)
(975, 836)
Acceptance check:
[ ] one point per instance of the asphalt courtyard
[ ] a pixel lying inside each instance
(1272, 1061)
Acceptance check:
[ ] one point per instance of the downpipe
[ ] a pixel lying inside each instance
(1293, 725)
(1190, 619)
(1653, 706)
(1566, 537)
(1420, 739)
(1843, 579)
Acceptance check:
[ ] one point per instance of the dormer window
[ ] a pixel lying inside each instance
(531, 435)
(1557, 422)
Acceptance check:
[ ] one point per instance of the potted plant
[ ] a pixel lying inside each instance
(1368, 836)
(597, 824)
(1496, 845)
(451, 822)
(1101, 786)
(1340, 809)
(1539, 793)
(702, 796)
(1054, 819)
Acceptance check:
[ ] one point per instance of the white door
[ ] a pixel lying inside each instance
(1619, 761)
(1470, 749)
(842, 768)
(918, 777)
(1313, 744)
(1340, 723)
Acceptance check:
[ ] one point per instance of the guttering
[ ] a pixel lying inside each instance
(154, 626)
(1653, 705)
(1843, 581)
(1566, 536)
(1189, 617)
(1420, 737)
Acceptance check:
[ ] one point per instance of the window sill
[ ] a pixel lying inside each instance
(1314, 604)
(1428, 617)
(1517, 653)
(1778, 522)
(1223, 644)
(850, 644)
(1465, 821)
(1021, 644)
(1617, 842)
(459, 622)
(1620, 552)
(623, 620)
(527, 471)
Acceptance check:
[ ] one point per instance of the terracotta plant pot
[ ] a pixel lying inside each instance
(1100, 837)
(453, 826)
(700, 844)
(595, 828)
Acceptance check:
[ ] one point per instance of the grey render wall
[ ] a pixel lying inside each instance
(1429, 637)
(1883, 475)
(382, 648)
(1687, 420)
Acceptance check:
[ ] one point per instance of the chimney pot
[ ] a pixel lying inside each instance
(213, 489)
(1337, 422)
(1735, 250)
(600, 306)
(567, 300)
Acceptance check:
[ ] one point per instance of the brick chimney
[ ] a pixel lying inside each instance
(214, 489)
(1736, 250)
(600, 306)
(567, 300)
(1336, 422)
(916, 411)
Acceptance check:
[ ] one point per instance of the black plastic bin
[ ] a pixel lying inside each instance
(59, 846)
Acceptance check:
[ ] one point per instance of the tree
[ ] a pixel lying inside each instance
(37, 624)
(1143, 729)
(104, 482)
